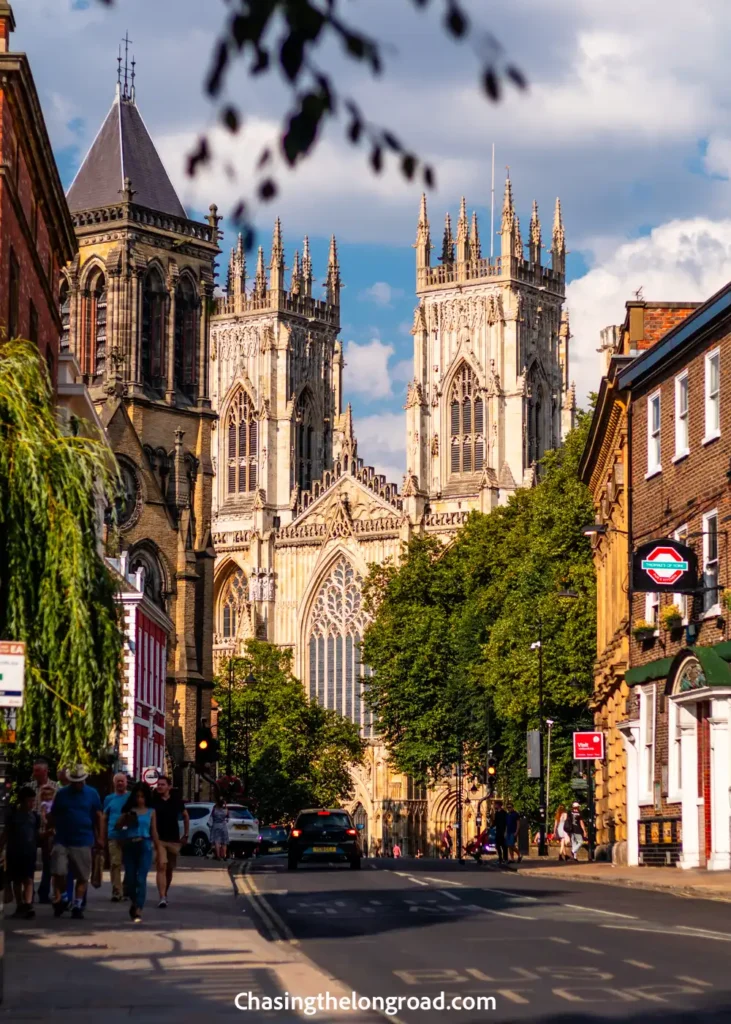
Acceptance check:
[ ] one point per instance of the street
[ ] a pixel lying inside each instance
(548, 950)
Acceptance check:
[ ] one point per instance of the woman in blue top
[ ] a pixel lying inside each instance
(138, 828)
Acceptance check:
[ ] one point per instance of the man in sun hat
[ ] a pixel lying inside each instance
(76, 816)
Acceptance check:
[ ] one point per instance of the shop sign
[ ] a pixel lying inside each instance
(664, 565)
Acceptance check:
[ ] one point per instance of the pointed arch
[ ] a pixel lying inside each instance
(93, 345)
(241, 441)
(466, 424)
(147, 555)
(154, 310)
(187, 311)
(231, 603)
(304, 419)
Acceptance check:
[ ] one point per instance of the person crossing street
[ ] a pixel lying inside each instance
(169, 810)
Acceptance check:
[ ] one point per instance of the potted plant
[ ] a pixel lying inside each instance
(643, 630)
(726, 599)
(671, 617)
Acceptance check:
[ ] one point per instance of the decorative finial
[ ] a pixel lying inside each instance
(126, 95)
(447, 242)
(475, 248)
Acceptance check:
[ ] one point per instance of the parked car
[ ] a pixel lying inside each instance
(243, 829)
(272, 839)
(320, 834)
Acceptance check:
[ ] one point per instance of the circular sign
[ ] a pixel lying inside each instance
(664, 566)
(150, 776)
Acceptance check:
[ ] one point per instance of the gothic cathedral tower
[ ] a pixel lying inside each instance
(490, 392)
(135, 308)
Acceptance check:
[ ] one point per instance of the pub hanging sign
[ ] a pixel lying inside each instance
(664, 565)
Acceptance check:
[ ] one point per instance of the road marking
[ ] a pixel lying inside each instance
(590, 949)
(639, 963)
(684, 931)
(693, 981)
(514, 896)
(373, 866)
(449, 895)
(502, 913)
(376, 903)
(514, 997)
(555, 938)
(607, 913)
(444, 881)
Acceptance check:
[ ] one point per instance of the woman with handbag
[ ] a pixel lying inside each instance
(138, 828)
(559, 830)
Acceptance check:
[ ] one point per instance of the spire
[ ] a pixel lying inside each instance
(558, 247)
(462, 245)
(237, 271)
(423, 239)
(447, 242)
(306, 267)
(276, 263)
(509, 226)
(518, 241)
(475, 250)
(296, 274)
(333, 275)
(535, 240)
(508, 208)
(260, 281)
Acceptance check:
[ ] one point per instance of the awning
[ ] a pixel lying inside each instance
(715, 669)
(714, 662)
(646, 673)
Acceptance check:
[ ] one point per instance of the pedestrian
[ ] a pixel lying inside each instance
(419, 855)
(396, 850)
(511, 833)
(575, 829)
(138, 826)
(169, 809)
(76, 817)
(559, 829)
(447, 843)
(500, 824)
(21, 838)
(219, 828)
(113, 804)
(41, 780)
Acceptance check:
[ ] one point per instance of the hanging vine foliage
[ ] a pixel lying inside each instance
(56, 593)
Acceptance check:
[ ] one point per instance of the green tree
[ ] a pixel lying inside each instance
(288, 751)
(450, 643)
(56, 593)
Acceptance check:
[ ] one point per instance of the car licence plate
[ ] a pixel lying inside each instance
(324, 849)
(275, 849)
(241, 828)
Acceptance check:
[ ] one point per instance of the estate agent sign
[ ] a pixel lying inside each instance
(664, 565)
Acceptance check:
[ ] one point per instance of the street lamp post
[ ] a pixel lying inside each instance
(549, 723)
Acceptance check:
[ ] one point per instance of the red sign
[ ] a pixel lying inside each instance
(664, 566)
(588, 746)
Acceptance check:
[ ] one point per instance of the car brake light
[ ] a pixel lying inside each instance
(296, 832)
(325, 813)
(351, 831)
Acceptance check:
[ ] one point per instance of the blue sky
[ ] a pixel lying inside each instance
(626, 118)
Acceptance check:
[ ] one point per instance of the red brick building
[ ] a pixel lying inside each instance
(679, 711)
(36, 232)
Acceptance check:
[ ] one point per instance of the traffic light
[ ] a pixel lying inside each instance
(491, 775)
(204, 748)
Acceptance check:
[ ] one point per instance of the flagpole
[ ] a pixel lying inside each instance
(492, 205)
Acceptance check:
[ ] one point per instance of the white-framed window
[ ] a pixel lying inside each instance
(652, 609)
(682, 435)
(681, 600)
(653, 434)
(675, 753)
(647, 743)
(710, 562)
(713, 395)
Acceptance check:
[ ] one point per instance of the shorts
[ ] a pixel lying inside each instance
(166, 855)
(20, 867)
(76, 859)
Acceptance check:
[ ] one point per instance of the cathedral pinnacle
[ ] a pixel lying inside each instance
(306, 267)
(462, 242)
(518, 250)
(508, 208)
(558, 247)
(296, 274)
(475, 250)
(535, 240)
(236, 285)
(260, 281)
(277, 247)
(447, 242)
(333, 274)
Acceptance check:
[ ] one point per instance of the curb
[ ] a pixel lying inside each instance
(688, 891)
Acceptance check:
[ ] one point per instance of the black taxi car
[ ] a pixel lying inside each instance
(325, 835)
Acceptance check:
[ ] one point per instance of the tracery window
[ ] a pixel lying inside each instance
(94, 350)
(242, 440)
(337, 625)
(144, 558)
(231, 603)
(186, 332)
(304, 450)
(153, 328)
(466, 424)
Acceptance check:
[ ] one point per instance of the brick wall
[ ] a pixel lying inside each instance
(661, 318)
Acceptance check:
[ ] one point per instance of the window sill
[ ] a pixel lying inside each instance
(711, 437)
(713, 612)
(681, 455)
(653, 472)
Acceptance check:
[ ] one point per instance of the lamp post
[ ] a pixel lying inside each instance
(549, 723)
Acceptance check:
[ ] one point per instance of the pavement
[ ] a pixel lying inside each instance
(546, 949)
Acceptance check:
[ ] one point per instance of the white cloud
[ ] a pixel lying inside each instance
(381, 294)
(366, 369)
(683, 260)
(382, 443)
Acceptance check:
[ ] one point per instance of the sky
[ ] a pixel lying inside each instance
(626, 118)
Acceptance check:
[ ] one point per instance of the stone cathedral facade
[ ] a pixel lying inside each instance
(297, 517)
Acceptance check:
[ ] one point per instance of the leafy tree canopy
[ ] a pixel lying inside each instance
(56, 593)
(450, 644)
(289, 752)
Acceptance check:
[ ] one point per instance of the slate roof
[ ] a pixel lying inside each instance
(123, 149)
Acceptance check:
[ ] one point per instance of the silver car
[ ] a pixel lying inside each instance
(243, 829)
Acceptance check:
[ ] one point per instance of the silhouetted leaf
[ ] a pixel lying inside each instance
(516, 76)
(408, 165)
(261, 63)
(355, 45)
(391, 141)
(428, 177)
(267, 190)
(455, 21)
(355, 130)
(215, 76)
(230, 118)
(291, 55)
(303, 126)
(377, 159)
(491, 84)
(200, 155)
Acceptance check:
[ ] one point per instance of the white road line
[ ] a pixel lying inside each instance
(514, 997)
(682, 931)
(502, 913)
(590, 949)
(376, 903)
(607, 913)
(402, 874)
(449, 895)
(564, 942)
(444, 881)
(513, 895)
(639, 963)
(693, 981)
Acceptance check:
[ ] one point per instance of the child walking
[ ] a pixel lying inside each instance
(21, 835)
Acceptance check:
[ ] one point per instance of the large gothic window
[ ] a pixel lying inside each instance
(242, 440)
(466, 424)
(304, 442)
(65, 310)
(186, 332)
(232, 603)
(153, 328)
(94, 348)
(337, 624)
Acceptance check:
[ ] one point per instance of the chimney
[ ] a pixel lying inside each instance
(7, 25)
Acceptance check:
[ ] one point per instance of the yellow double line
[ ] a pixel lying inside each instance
(276, 929)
